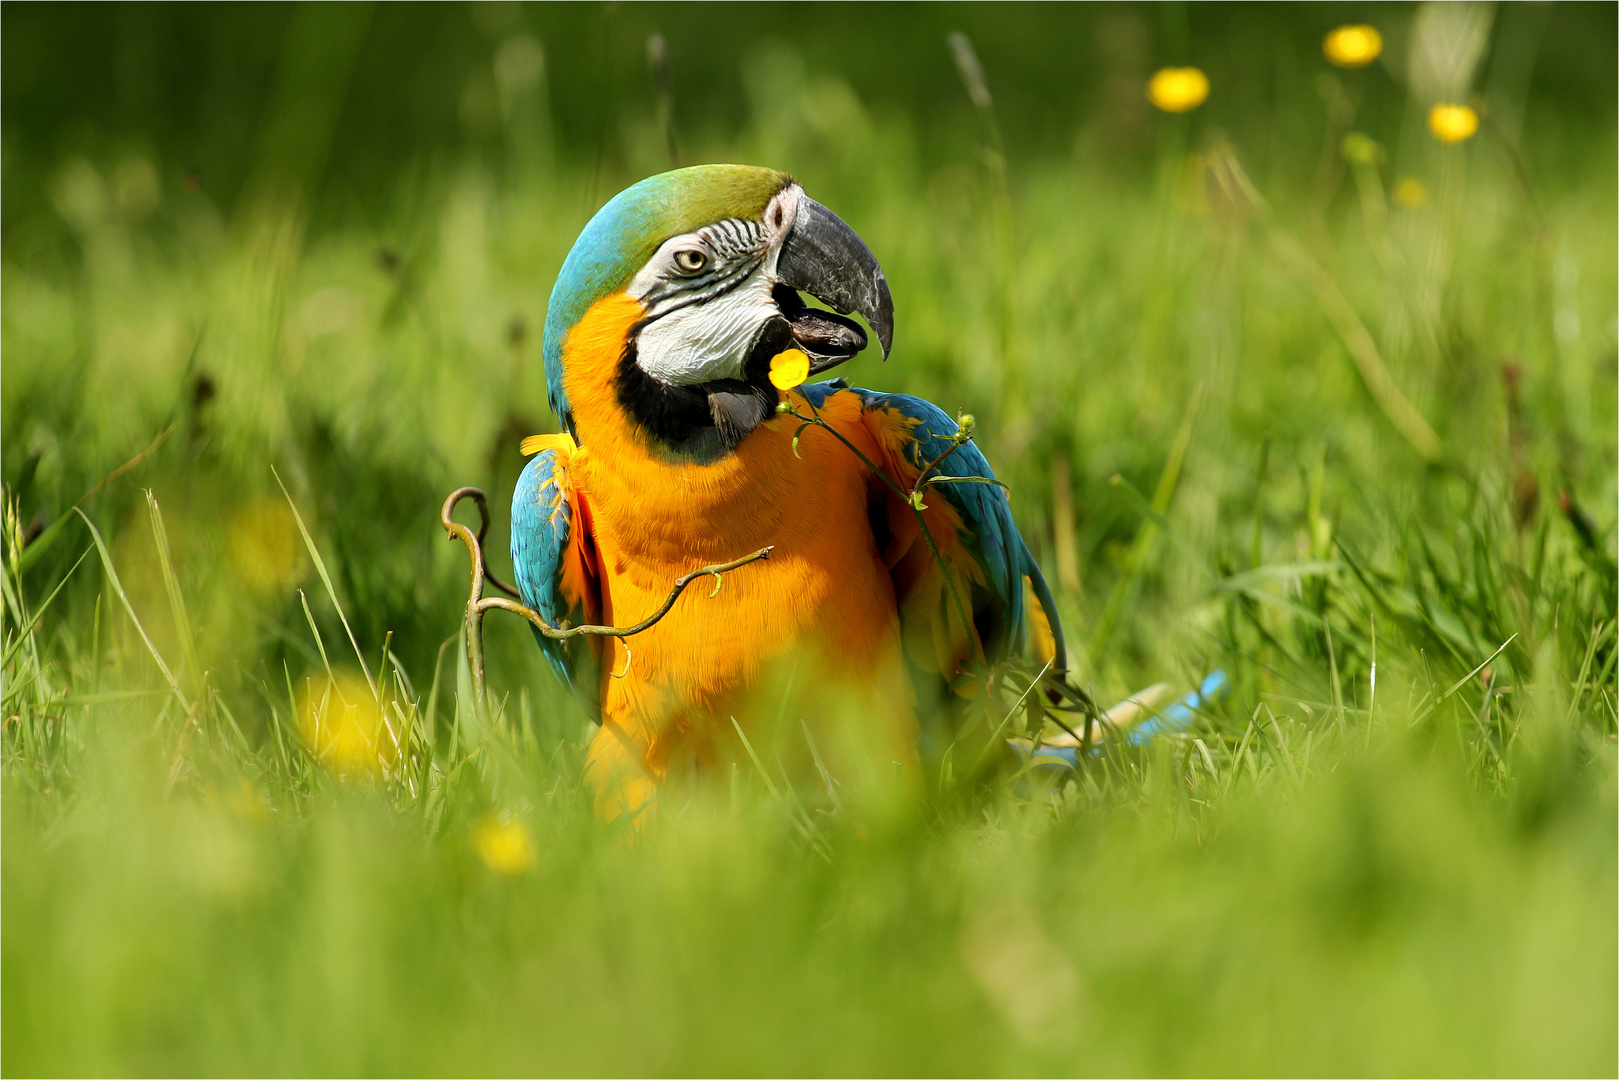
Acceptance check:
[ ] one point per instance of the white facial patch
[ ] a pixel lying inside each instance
(710, 340)
(704, 322)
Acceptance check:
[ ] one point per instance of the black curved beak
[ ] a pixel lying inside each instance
(825, 258)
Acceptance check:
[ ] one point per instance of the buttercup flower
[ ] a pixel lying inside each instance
(341, 722)
(789, 369)
(1353, 46)
(503, 845)
(1178, 90)
(262, 541)
(1452, 123)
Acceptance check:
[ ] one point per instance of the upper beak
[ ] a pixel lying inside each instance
(822, 256)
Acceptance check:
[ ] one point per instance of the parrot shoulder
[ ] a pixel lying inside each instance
(1009, 608)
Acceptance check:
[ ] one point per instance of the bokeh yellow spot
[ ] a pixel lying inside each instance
(263, 543)
(789, 369)
(1353, 46)
(344, 727)
(1452, 123)
(1178, 90)
(1361, 150)
(503, 844)
(1409, 191)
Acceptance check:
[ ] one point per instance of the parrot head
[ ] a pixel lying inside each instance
(716, 257)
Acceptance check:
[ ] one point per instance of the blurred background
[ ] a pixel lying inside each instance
(322, 238)
(1289, 376)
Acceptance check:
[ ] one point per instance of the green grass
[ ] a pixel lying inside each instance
(1390, 850)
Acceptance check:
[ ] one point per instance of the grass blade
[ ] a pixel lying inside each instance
(118, 587)
(42, 543)
(177, 604)
(326, 579)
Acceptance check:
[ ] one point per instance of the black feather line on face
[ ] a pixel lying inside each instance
(704, 422)
(737, 249)
(669, 297)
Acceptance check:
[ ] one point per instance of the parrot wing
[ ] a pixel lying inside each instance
(555, 562)
(1008, 606)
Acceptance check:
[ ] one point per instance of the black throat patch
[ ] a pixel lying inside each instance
(703, 422)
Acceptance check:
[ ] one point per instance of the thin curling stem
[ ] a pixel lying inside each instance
(478, 604)
(491, 602)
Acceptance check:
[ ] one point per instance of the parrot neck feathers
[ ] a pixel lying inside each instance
(677, 419)
(705, 421)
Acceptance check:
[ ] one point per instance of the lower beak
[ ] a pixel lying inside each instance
(825, 258)
(827, 339)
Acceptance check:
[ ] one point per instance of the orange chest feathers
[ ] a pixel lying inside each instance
(824, 591)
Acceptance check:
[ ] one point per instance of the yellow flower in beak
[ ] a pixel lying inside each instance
(1178, 90)
(1353, 46)
(1452, 123)
(789, 369)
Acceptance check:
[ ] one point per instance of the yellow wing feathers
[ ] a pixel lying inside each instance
(536, 443)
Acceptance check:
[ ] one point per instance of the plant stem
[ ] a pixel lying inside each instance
(478, 604)
(910, 500)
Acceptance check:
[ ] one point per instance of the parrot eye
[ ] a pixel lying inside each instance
(690, 260)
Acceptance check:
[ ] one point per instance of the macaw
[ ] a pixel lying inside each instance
(663, 340)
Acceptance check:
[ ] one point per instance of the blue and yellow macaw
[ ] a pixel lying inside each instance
(666, 320)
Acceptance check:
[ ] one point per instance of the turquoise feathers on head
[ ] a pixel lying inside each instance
(627, 231)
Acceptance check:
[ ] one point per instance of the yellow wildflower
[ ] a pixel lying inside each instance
(1409, 191)
(1178, 90)
(789, 369)
(1359, 149)
(1452, 123)
(503, 844)
(344, 727)
(1353, 46)
(262, 540)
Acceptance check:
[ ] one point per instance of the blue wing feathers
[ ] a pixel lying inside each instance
(993, 538)
(539, 540)
(542, 532)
